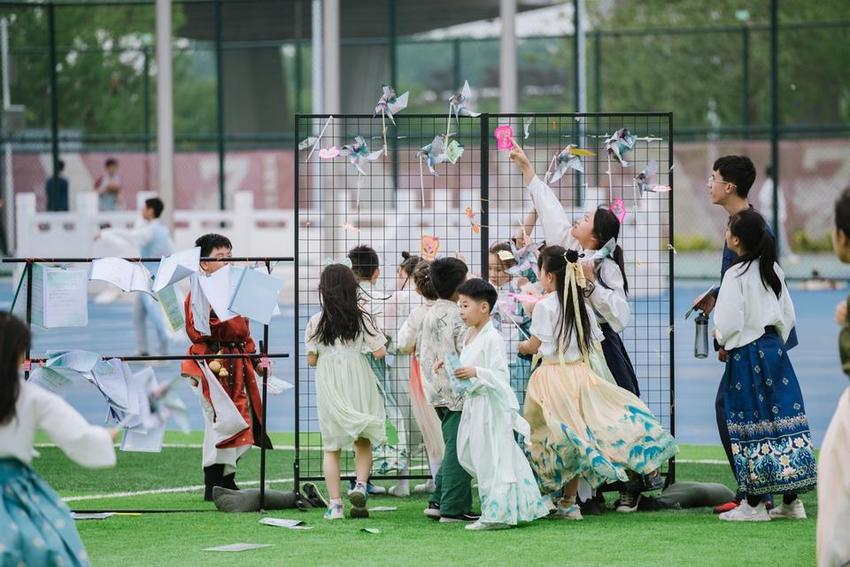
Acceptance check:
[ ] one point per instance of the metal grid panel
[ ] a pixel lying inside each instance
(395, 201)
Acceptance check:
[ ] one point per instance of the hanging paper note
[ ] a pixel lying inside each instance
(618, 207)
(566, 159)
(429, 247)
(128, 276)
(59, 297)
(470, 214)
(504, 137)
(453, 151)
(620, 142)
(218, 291)
(171, 302)
(177, 267)
(256, 295)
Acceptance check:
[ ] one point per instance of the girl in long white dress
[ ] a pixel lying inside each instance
(350, 406)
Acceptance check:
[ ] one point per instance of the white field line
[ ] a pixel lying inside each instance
(176, 489)
(164, 490)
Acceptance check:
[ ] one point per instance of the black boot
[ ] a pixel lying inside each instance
(213, 476)
(229, 481)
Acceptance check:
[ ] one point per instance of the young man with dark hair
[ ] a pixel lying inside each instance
(443, 332)
(108, 186)
(152, 239)
(56, 190)
(235, 378)
(833, 537)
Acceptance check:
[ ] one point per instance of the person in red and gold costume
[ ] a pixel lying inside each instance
(227, 389)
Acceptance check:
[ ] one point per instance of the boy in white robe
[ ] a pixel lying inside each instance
(486, 445)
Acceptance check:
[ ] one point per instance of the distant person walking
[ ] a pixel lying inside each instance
(56, 190)
(766, 209)
(108, 186)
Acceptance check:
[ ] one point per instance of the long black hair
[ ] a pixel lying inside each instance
(408, 265)
(554, 259)
(14, 342)
(758, 244)
(606, 226)
(342, 317)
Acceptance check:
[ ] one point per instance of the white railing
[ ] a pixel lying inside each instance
(72, 234)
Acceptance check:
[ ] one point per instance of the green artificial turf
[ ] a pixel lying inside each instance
(687, 537)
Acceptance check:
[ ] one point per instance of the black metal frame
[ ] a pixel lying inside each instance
(263, 353)
(487, 121)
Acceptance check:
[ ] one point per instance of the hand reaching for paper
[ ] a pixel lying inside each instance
(519, 157)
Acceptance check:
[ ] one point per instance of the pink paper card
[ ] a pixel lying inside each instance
(504, 137)
(618, 207)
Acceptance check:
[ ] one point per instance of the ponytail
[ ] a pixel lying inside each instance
(758, 244)
(554, 260)
(606, 226)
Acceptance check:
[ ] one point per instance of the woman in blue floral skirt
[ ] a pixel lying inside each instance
(768, 429)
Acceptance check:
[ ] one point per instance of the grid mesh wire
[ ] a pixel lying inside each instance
(395, 201)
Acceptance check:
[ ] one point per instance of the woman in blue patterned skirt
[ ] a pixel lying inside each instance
(768, 429)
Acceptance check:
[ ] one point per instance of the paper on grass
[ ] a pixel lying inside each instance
(285, 523)
(176, 267)
(238, 547)
(128, 276)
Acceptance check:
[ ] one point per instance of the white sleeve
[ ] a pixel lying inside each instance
(494, 374)
(611, 303)
(786, 308)
(309, 339)
(729, 310)
(374, 339)
(542, 324)
(556, 223)
(410, 329)
(87, 445)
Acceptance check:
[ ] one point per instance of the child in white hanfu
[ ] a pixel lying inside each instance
(486, 446)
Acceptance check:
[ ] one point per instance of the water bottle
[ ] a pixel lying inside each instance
(701, 336)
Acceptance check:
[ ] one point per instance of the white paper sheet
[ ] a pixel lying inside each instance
(176, 267)
(218, 291)
(128, 276)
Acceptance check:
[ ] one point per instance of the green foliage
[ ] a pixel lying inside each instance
(804, 242)
(693, 243)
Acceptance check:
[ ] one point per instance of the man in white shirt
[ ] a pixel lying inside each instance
(151, 237)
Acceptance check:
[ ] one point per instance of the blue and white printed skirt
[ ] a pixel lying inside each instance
(768, 430)
(37, 528)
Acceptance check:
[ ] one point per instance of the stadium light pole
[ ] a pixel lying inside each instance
(507, 58)
(579, 87)
(164, 110)
(774, 116)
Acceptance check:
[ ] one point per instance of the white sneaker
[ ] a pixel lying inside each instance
(398, 491)
(479, 525)
(425, 487)
(357, 498)
(746, 513)
(792, 511)
(572, 512)
(334, 512)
